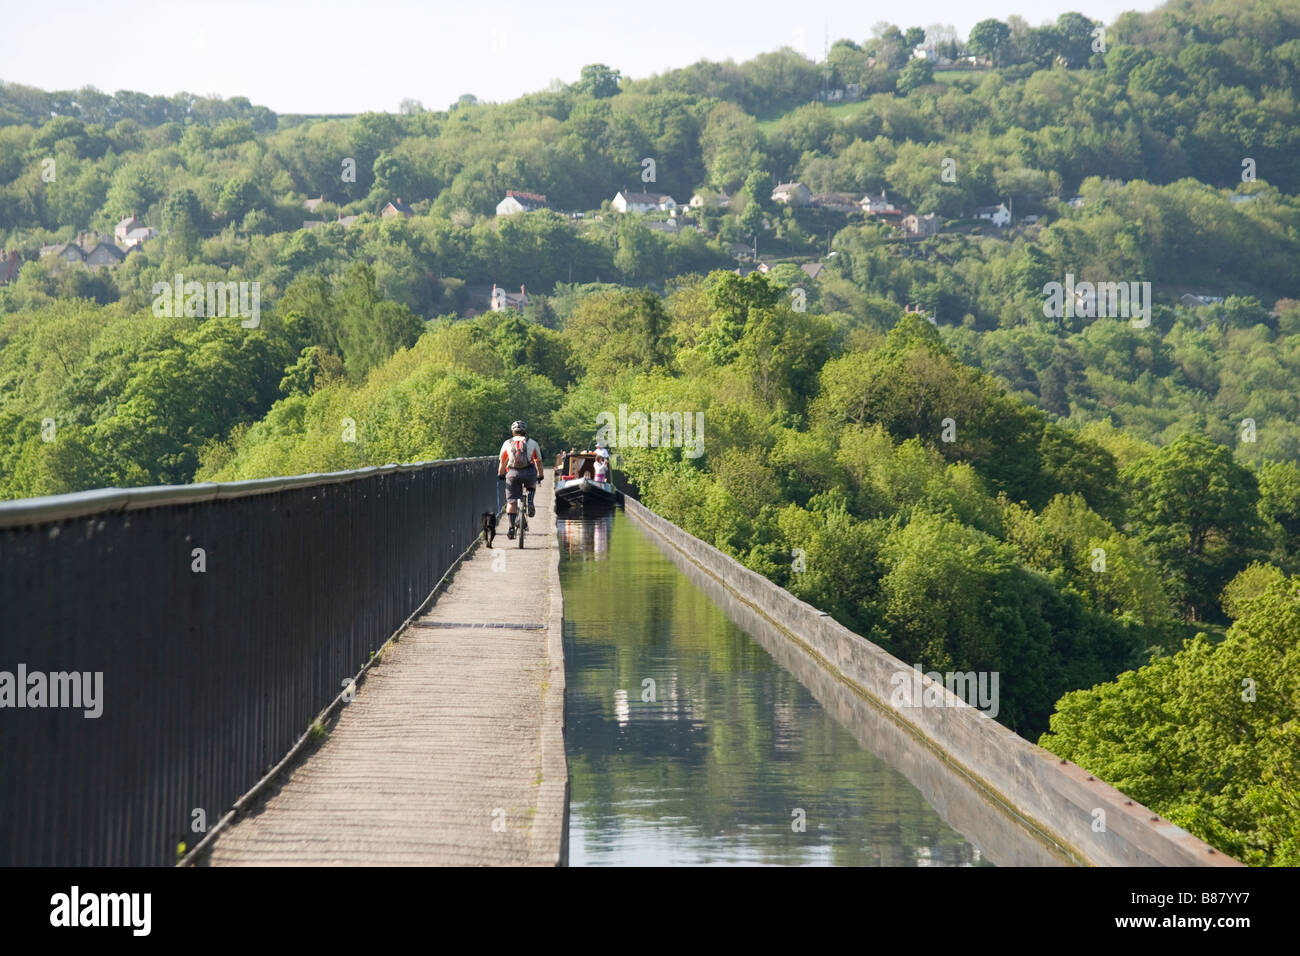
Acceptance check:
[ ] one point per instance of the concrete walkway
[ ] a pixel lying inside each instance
(452, 751)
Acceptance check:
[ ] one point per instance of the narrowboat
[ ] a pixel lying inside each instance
(576, 487)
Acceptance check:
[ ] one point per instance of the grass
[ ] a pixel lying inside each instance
(1216, 632)
(838, 110)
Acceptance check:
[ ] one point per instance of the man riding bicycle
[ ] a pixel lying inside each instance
(520, 466)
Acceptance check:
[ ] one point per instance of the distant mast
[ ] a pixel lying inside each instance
(826, 60)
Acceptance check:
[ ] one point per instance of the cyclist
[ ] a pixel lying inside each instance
(520, 466)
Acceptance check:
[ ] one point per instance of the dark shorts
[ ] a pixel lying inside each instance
(516, 481)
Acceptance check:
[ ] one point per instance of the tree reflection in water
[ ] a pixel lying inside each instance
(689, 744)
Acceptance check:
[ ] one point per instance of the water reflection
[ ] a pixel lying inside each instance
(689, 744)
(586, 538)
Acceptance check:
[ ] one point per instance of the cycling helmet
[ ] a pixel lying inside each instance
(519, 426)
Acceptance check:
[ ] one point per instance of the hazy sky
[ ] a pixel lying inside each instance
(328, 56)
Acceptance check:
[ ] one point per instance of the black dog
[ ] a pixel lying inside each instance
(489, 527)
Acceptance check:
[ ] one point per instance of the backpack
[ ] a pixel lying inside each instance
(518, 454)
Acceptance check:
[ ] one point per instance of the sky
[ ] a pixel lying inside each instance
(330, 56)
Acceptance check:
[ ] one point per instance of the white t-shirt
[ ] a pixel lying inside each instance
(531, 449)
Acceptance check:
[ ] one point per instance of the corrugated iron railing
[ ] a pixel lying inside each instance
(222, 618)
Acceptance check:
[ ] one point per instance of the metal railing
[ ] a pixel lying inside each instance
(220, 618)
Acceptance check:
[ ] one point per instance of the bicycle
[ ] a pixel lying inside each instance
(522, 514)
(529, 493)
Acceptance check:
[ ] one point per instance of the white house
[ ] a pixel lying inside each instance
(1191, 300)
(138, 235)
(795, 194)
(877, 205)
(517, 201)
(502, 300)
(702, 199)
(643, 202)
(125, 226)
(931, 54)
(999, 215)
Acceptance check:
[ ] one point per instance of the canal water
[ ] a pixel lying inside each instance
(688, 743)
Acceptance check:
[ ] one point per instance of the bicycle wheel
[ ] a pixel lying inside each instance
(523, 526)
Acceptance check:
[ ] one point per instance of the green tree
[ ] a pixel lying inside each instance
(757, 187)
(1194, 507)
(1074, 31)
(891, 48)
(731, 143)
(238, 197)
(782, 352)
(957, 599)
(1279, 511)
(640, 254)
(181, 215)
(598, 80)
(916, 74)
(989, 38)
(316, 366)
(370, 327)
(1207, 737)
(732, 300)
(612, 332)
